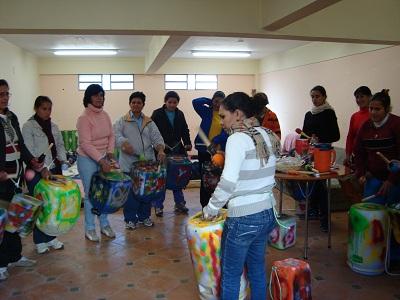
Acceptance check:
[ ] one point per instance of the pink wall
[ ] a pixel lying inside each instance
(288, 90)
(62, 89)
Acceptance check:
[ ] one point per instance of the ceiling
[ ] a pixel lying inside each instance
(42, 45)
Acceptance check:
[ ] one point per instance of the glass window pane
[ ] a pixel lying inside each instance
(175, 85)
(206, 85)
(175, 77)
(84, 85)
(90, 78)
(122, 85)
(191, 82)
(106, 82)
(123, 78)
(209, 78)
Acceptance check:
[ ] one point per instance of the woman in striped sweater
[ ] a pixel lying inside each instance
(246, 188)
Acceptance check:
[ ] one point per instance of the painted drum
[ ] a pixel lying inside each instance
(109, 191)
(283, 237)
(148, 180)
(22, 214)
(210, 176)
(204, 240)
(179, 172)
(302, 146)
(3, 221)
(368, 223)
(61, 198)
(291, 280)
(394, 244)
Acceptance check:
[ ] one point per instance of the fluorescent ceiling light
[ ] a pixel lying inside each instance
(84, 52)
(203, 53)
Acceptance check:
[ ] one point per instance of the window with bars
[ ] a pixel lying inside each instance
(107, 81)
(191, 82)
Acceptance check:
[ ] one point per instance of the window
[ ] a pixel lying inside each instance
(107, 81)
(191, 82)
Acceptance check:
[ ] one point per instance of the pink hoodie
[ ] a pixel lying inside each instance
(95, 133)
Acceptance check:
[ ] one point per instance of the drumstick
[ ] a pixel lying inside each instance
(204, 137)
(301, 132)
(385, 159)
(368, 198)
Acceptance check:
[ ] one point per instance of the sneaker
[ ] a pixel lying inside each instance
(4, 274)
(91, 235)
(324, 227)
(55, 244)
(42, 248)
(181, 208)
(108, 232)
(23, 262)
(146, 222)
(159, 212)
(130, 225)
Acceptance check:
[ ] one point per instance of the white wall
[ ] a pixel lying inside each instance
(20, 70)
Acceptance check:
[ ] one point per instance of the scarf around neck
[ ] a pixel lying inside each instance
(46, 127)
(317, 109)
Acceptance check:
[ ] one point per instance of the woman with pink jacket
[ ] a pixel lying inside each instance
(96, 145)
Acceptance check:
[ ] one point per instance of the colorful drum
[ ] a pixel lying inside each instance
(210, 176)
(283, 237)
(61, 198)
(394, 248)
(22, 214)
(3, 221)
(291, 280)
(148, 180)
(368, 223)
(109, 191)
(204, 240)
(179, 172)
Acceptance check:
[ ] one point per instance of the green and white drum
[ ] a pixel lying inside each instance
(61, 205)
(368, 223)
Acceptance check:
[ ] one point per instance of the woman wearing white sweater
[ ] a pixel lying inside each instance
(246, 187)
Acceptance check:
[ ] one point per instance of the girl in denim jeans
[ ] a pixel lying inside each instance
(246, 188)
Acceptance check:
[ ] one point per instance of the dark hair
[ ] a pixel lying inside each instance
(218, 94)
(319, 88)
(3, 82)
(171, 94)
(92, 90)
(139, 95)
(261, 98)
(240, 101)
(40, 100)
(362, 90)
(383, 97)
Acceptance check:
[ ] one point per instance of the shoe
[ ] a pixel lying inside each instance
(91, 235)
(4, 274)
(42, 248)
(108, 232)
(324, 227)
(146, 222)
(130, 225)
(23, 262)
(181, 208)
(313, 214)
(159, 212)
(55, 244)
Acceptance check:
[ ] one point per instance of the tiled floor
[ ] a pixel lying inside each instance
(154, 263)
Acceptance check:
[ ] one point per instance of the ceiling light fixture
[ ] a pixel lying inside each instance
(203, 53)
(85, 52)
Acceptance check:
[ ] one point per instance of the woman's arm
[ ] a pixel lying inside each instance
(202, 105)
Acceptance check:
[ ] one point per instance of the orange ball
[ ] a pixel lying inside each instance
(218, 159)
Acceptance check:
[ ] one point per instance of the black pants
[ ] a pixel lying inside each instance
(10, 248)
(205, 195)
(319, 199)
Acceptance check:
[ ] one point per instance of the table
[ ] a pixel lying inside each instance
(335, 173)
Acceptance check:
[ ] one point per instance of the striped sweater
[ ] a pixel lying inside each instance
(245, 185)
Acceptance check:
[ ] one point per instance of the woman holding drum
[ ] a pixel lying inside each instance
(95, 152)
(137, 136)
(173, 127)
(39, 132)
(13, 153)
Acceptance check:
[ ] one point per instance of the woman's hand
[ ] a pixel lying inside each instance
(3, 176)
(188, 147)
(127, 148)
(36, 165)
(161, 155)
(362, 180)
(105, 165)
(45, 173)
(385, 188)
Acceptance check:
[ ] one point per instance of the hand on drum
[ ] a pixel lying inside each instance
(188, 147)
(105, 165)
(127, 148)
(206, 216)
(3, 176)
(45, 173)
(161, 155)
(36, 165)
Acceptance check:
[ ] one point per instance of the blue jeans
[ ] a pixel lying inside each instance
(136, 210)
(244, 240)
(178, 198)
(373, 185)
(87, 167)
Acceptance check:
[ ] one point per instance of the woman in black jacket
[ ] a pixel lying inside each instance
(172, 125)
